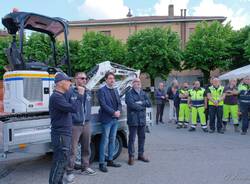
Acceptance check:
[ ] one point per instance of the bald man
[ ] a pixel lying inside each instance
(216, 98)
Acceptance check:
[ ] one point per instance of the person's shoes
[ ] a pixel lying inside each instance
(243, 133)
(185, 126)
(161, 122)
(143, 159)
(179, 126)
(191, 129)
(103, 168)
(70, 178)
(205, 130)
(156, 123)
(113, 164)
(211, 131)
(147, 129)
(236, 128)
(131, 161)
(220, 131)
(89, 171)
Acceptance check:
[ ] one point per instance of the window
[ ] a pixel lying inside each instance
(107, 33)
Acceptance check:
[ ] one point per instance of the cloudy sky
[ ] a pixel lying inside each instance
(236, 11)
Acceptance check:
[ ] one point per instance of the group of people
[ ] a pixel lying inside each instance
(215, 103)
(70, 113)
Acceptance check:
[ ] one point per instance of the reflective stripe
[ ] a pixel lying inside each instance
(216, 94)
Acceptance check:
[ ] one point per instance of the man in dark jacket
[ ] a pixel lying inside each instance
(109, 113)
(136, 101)
(60, 110)
(160, 97)
(81, 130)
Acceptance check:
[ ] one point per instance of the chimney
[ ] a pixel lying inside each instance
(185, 13)
(181, 12)
(171, 10)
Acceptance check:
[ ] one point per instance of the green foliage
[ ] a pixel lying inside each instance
(4, 43)
(155, 51)
(96, 47)
(209, 48)
(240, 48)
(38, 47)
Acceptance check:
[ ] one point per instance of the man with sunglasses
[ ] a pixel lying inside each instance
(81, 131)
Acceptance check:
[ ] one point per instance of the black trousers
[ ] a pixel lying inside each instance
(245, 109)
(140, 131)
(159, 112)
(61, 148)
(215, 112)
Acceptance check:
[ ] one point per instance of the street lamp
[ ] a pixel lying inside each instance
(129, 15)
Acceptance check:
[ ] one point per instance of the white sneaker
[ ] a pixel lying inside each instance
(70, 178)
(89, 172)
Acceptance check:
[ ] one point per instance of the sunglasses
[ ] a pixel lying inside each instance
(82, 78)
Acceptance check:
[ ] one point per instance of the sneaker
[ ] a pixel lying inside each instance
(211, 131)
(205, 130)
(191, 129)
(103, 168)
(89, 171)
(70, 178)
(220, 131)
(243, 133)
(113, 164)
(179, 126)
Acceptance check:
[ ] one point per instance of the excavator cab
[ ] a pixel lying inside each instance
(28, 83)
(16, 24)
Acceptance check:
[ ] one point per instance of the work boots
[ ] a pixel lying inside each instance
(131, 161)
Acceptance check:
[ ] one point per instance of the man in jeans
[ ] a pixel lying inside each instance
(81, 130)
(60, 110)
(137, 101)
(110, 111)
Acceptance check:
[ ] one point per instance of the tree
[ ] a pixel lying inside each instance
(155, 51)
(247, 50)
(239, 51)
(4, 44)
(96, 47)
(38, 47)
(209, 48)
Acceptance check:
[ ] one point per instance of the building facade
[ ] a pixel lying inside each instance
(122, 28)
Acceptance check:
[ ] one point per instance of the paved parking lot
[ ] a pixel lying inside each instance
(177, 157)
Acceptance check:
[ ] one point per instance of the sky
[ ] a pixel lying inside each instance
(236, 11)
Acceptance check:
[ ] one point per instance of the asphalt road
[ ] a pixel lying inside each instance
(177, 157)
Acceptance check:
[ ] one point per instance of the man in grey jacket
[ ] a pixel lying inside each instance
(137, 101)
(81, 130)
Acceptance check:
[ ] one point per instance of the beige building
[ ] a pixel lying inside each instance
(122, 28)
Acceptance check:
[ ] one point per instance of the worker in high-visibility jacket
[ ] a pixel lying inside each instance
(231, 106)
(244, 99)
(197, 102)
(184, 110)
(216, 98)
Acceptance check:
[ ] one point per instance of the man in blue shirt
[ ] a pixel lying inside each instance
(60, 110)
(109, 113)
